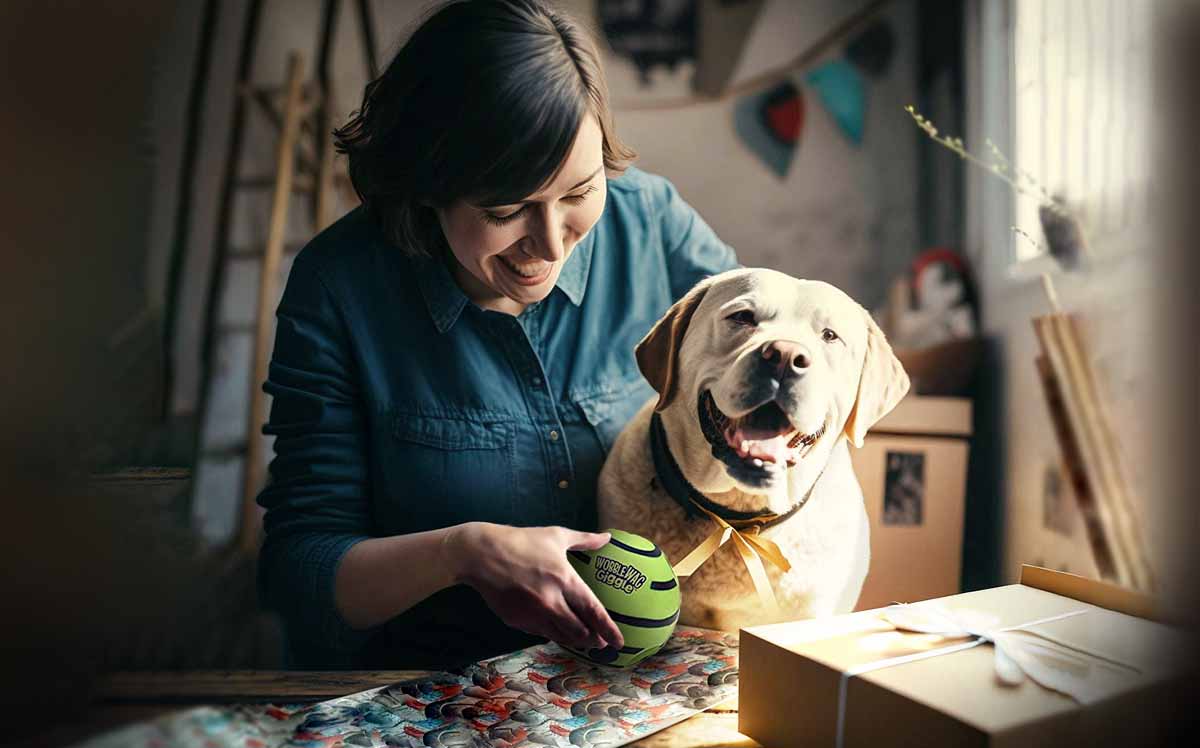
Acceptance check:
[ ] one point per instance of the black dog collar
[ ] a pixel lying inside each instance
(672, 480)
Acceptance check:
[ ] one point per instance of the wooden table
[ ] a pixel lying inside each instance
(129, 697)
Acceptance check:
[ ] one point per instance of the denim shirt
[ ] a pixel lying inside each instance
(401, 406)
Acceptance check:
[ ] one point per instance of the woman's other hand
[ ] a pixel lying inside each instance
(525, 578)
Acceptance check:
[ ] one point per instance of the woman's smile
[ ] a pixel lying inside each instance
(526, 271)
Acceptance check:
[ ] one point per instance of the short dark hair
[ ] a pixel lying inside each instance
(483, 102)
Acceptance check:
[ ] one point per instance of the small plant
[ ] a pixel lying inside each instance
(1061, 228)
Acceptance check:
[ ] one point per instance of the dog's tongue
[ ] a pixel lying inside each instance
(755, 443)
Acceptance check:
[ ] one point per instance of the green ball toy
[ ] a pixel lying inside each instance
(637, 586)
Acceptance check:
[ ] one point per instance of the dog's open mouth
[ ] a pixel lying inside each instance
(764, 438)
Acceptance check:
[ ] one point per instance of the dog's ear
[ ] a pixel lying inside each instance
(658, 353)
(882, 385)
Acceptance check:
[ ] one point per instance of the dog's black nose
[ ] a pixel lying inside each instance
(786, 357)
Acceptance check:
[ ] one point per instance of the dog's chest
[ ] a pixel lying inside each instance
(723, 579)
(721, 594)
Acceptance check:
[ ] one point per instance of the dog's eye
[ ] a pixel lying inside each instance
(828, 335)
(744, 318)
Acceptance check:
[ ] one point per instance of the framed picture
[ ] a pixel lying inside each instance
(904, 488)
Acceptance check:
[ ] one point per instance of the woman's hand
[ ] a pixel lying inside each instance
(524, 576)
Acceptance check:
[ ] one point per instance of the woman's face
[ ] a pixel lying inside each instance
(509, 256)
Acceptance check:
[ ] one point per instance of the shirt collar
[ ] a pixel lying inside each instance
(445, 300)
(573, 279)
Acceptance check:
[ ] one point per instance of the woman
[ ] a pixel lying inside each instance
(454, 358)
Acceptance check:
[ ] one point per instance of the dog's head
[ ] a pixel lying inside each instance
(770, 370)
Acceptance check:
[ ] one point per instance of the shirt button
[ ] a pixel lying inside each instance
(537, 381)
(563, 484)
(553, 436)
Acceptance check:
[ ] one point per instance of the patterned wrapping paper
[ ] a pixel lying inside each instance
(540, 696)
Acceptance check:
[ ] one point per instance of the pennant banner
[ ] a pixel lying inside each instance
(843, 94)
(770, 122)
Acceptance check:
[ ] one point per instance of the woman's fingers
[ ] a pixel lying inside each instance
(586, 606)
(583, 601)
(573, 632)
(586, 541)
(542, 616)
(551, 598)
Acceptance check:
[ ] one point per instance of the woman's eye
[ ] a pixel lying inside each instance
(501, 220)
(829, 335)
(496, 220)
(576, 199)
(744, 318)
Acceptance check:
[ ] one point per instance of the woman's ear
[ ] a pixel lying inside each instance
(658, 353)
(881, 386)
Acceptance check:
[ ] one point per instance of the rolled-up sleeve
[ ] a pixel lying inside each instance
(317, 496)
(694, 251)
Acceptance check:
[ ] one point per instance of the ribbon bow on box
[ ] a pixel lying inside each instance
(1021, 653)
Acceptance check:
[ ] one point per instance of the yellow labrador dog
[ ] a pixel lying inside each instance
(762, 381)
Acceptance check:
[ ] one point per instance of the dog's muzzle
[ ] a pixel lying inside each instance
(758, 446)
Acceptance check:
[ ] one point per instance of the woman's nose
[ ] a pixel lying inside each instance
(548, 236)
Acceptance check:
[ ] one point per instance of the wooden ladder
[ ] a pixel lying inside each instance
(303, 113)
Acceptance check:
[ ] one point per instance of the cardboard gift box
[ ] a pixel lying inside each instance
(862, 679)
(913, 471)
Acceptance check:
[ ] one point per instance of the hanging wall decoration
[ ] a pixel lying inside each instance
(722, 30)
(650, 32)
(871, 50)
(843, 94)
(769, 123)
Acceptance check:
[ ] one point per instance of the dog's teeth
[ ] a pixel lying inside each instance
(758, 462)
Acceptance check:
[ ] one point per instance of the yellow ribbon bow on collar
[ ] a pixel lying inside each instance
(752, 547)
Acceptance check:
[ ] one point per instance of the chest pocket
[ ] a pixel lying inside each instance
(608, 411)
(450, 469)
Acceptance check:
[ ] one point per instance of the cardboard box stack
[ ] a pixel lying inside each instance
(913, 472)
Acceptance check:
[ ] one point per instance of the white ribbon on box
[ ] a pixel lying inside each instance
(1046, 660)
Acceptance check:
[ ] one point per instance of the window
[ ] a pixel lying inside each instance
(1081, 112)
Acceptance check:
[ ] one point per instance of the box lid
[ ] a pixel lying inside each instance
(930, 416)
(1094, 591)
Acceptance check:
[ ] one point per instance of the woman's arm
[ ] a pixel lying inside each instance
(381, 578)
(318, 498)
(521, 572)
